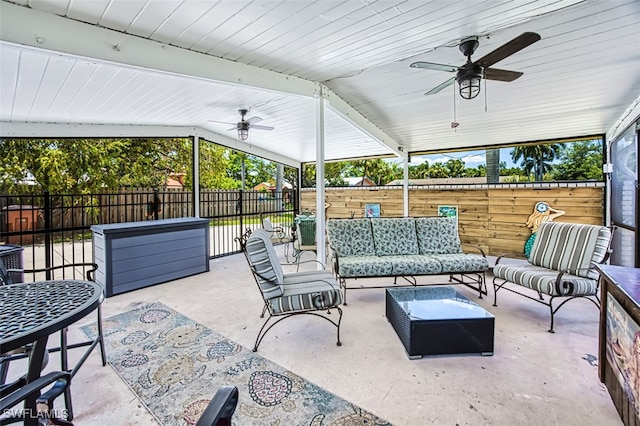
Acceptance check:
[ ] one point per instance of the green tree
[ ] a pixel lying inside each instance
(438, 170)
(536, 158)
(85, 165)
(580, 161)
(333, 173)
(421, 171)
(455, 168)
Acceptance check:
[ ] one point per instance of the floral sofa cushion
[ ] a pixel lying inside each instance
(364, 266)
(350, 237)
(438, 235)
(413, 264)
(461, 262)
(394, 236)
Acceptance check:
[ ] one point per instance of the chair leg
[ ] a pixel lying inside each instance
(103, 352)
(264, 331)
(339, 343)
(64, 361)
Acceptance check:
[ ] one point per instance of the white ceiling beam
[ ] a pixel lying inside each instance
(42, 30)
(75, 130)
(629, 116)
(36, 29)
(358, 120)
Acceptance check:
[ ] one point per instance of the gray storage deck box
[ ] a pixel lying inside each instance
(133, 255)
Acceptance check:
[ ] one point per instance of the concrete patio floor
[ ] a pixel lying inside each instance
(533, 378)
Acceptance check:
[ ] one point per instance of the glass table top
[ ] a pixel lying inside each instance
(435, 303)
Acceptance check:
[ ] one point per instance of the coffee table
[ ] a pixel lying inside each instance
(439, 320)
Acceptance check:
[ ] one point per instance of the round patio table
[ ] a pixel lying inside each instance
(31, 312)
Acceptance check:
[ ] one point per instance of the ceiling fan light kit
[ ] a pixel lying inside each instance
(470, 74)
(242, 127)
(469, 81)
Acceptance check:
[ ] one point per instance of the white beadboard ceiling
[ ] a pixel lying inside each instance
(159, 67)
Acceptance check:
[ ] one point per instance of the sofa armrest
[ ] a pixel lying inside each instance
(334, 260)
(475, 247)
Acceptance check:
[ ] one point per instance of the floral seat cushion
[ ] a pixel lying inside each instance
(364, 266)
(461, 262)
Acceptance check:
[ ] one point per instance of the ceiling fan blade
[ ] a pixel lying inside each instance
(254, 120)
(221, 122)
(232, 128)
(508, 49)
(433, 66)
(501, 75)
(441, 86)
(259, 127)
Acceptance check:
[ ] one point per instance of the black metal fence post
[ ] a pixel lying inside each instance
(239, 209)
(48, 244)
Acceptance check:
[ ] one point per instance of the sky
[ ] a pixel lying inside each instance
(471, 159)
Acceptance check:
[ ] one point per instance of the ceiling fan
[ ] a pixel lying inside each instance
(243, 125)
(469, 75)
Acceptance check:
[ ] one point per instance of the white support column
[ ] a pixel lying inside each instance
(405, 187)
(196, 175)
(320, 217)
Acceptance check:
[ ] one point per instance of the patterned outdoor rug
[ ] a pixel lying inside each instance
(174, 365)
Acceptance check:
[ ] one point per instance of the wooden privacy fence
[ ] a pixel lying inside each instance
(491, 216)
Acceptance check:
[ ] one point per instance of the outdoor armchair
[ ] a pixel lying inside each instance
(289, 295)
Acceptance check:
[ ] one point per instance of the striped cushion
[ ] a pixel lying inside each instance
(574, 247)
(266, 266)
(318, 294)
(543, 280)
(305, 276)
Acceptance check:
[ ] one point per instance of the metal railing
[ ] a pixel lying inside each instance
(55, 229)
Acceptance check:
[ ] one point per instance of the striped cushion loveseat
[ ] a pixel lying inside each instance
(560, 265)
(402, 247)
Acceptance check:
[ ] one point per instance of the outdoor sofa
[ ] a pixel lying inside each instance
(560, 265)
(403, 247)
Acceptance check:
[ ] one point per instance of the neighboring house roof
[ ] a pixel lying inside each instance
(358, 181)
(175, 180)
(270, 187)
(446, 181)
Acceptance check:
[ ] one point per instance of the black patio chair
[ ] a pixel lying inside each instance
(19, 391)
(7, 276)
(221, 408)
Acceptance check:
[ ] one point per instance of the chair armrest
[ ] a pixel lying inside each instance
(33, 387)
(560, 283)
(516, 256)
(324, 267)
(90, 272)
(220, 408)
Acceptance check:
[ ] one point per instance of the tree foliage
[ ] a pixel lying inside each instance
(86, 165)
(580, 161)
(536, 159)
